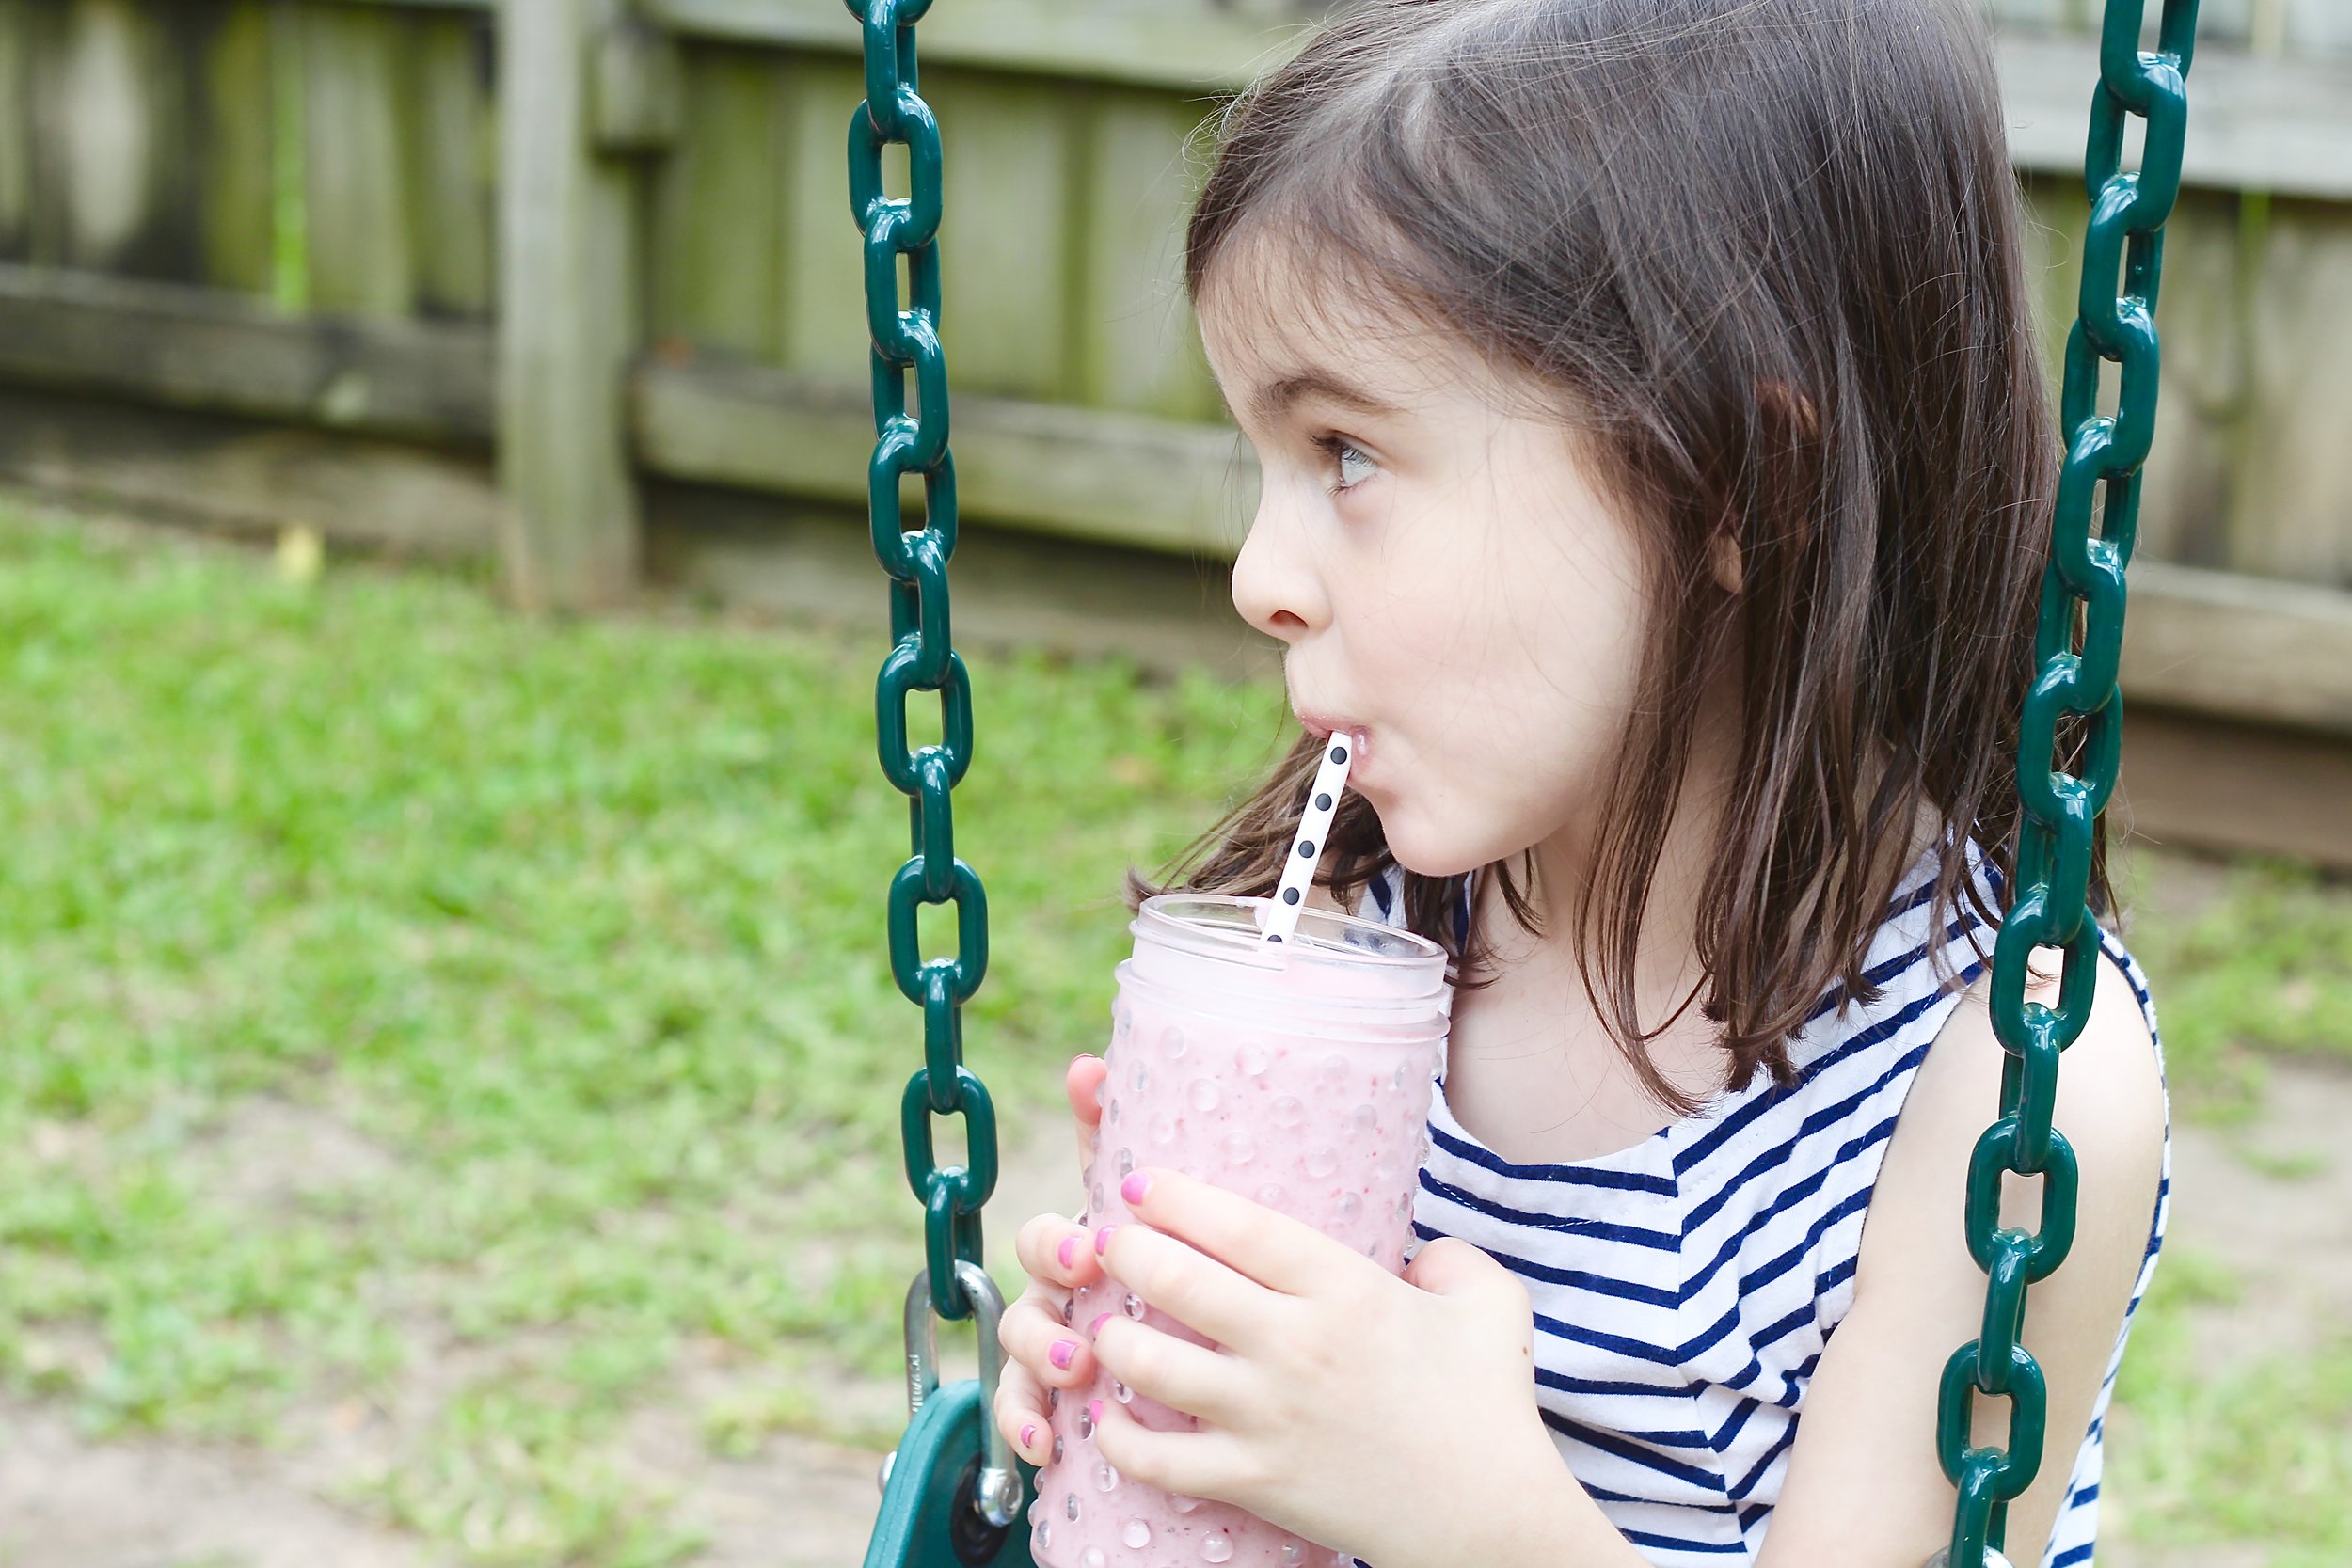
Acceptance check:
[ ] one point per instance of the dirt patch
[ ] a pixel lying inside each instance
(2271, 1201)
(66, 1502)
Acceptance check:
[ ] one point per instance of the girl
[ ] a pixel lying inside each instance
(1656, 477)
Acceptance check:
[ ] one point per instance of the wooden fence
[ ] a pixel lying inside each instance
(447, 274)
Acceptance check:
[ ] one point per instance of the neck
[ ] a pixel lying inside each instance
(1666, 968)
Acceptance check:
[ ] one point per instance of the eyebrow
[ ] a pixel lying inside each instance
(1276, 397)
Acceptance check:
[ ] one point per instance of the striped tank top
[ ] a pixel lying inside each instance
(1684, 1288)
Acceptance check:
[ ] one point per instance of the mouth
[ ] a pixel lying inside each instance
(1326, 725)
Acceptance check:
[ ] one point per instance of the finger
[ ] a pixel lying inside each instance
(1191, 1287)
(1057, 1250)
(1082, 1083)
(1204, 1463)
(1185, 1377)
(1275, 1250)
(1055, 1354)
(1020, 1414)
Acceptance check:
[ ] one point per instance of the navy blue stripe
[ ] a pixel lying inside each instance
(1677, 1544)
(1760, 1104)
(1721, 1442)
(1662, 1355)
(1602, 1494)
(1828, 1116)
(1567, 1176)
(1616, 1444)
(1600, 1386)
(1756, 1473)
(2072, 1555)
(1603, 1231)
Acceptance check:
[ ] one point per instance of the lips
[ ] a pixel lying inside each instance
(1327, 725)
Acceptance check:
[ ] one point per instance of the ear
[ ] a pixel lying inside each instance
(1723, 562)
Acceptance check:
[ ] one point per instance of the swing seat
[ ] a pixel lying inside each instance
(928, 1515)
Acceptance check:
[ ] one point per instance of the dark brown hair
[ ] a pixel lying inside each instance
(1766, 254)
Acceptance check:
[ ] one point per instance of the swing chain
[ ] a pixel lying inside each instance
(2049, 891)
(922, 656)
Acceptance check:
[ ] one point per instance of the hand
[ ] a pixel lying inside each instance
(1057, 1253)
(1393, 1419)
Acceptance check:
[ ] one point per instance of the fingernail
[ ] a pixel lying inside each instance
(1094, 1411)
(1028, 1436)
(1096, 1327)
(1062, 1353)
(1068, 1251)
(1134, 1186)
(1103, 1238)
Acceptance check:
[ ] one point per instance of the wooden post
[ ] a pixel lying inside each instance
(567, 315)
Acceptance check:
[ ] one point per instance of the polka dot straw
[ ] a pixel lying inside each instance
(1314, 824)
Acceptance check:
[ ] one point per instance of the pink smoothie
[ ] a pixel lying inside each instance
(1301, 1081)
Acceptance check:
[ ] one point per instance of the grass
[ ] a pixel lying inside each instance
(2220, 1444)
(418, 1007)
(576, 927)
(2260, 966)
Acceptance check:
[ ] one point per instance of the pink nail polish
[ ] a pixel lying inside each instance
(1062, 1353)
(1067, 1252)
(1094, 1411)
(1103, 1238)
(1028, 1436)
(1095, 1327)
(1134, 1186)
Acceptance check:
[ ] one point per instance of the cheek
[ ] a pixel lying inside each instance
(1513, 684)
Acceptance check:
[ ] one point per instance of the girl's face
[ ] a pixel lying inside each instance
(1445, 573)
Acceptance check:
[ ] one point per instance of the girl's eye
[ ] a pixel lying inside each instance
(1355, 467)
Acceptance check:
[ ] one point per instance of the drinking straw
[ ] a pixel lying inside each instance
(1314, 826)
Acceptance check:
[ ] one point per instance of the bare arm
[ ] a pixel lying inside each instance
(1863, 1486)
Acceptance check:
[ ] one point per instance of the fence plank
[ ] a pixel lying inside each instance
(1082, 472)
(234, 108)
(451, 155)
(229, 353)
(824, 291)
(1139, 348)
(362, 251)
(230, 472)
(105, 114)
(718, 206)
(567, 317)
(2184, 491)
(2291, 514)
(16, 130)
(1005, 248)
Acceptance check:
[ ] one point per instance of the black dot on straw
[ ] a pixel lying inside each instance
(1322, 803)
(1339, 753)
(1290, 896)
(1306, 848)
(1273, 937)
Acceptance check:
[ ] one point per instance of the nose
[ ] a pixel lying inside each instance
(1275, 588)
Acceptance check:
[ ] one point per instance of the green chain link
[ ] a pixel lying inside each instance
(2049, 892)
(922, 657)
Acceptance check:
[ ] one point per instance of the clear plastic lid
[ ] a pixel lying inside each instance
(1336, 970)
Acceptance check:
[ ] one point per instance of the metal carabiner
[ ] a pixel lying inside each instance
(999, 1499)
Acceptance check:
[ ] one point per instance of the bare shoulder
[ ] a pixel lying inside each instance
(2110, 1099)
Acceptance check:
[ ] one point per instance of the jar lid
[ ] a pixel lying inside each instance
(1334, 962)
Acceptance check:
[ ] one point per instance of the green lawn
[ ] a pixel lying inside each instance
(576, 929)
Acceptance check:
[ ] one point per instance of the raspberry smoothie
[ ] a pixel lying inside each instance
(1300, 1076)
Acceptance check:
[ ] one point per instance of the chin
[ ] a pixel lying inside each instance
(1424, 854)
